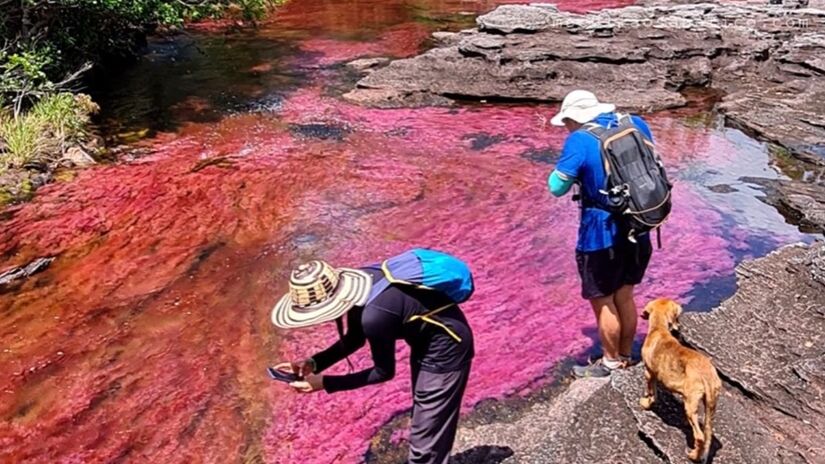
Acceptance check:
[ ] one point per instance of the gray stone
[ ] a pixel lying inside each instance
(78, 157)
(20, 273)
(767, 60)
(517, 18)
(766, 342)
(367, 64)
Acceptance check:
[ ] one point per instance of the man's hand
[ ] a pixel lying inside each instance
(300, 368)
(311, 383)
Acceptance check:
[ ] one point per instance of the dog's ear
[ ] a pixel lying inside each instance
(645, 313)
(675, 312)
(678, 309)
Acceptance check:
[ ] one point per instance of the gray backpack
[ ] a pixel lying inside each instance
(637, 191)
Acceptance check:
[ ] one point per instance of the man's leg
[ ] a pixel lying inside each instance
(609, 322)
(635, 260)
(436, 406)
(601, 275)
(626, 306)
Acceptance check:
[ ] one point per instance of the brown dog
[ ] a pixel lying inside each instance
(680, 370)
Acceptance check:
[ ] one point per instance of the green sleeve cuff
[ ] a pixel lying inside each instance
(559, 183)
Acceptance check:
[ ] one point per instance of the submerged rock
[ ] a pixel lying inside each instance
(482, 141)
(320, 130)
(20, 273)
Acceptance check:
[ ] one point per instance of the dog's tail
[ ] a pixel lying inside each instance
(713, 387)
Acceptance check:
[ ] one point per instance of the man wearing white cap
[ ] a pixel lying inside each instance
(609, 264)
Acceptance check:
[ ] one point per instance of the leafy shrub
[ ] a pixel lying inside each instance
(44, 132)
(44, 42)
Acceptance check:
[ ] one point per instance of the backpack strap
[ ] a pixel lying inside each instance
(385, 268)
(428, 317)
(599, 132)
(594, 129)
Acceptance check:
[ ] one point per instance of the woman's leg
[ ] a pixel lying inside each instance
(436, 407)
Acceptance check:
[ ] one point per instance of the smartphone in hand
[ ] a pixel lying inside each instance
(282, 376)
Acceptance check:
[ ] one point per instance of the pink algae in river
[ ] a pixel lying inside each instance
(147, 338)
(491, 208)
(400, 42)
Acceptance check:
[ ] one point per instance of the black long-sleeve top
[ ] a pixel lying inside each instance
(383, 321)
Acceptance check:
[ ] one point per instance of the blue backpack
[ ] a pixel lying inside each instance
(428, 269)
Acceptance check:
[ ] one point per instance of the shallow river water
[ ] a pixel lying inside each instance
(147, 338)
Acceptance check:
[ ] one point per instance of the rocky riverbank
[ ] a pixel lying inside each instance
(765, 62)
(766, 341)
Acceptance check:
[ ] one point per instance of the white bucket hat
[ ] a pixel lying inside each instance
(581, 106)
(320, 293)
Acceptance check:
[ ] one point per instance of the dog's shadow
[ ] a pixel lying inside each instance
(671, 411)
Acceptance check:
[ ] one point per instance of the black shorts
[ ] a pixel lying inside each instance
(605, 271)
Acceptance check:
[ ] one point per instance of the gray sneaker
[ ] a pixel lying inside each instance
(596, 369)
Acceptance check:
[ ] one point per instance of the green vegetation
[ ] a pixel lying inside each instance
(45, 131)
(786, 162)
(47, 45)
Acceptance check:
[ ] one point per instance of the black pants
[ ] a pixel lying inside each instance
(436, 406)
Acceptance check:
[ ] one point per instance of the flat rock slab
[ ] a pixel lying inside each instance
(508, 19)
(588, 423)
(767, 343)
(768, 60)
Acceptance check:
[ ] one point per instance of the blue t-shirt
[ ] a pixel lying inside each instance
(581, 159)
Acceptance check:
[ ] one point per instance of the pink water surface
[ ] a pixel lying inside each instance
(147, 338)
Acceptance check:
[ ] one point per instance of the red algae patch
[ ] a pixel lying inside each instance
(399, 42)
(147, 338)
(491, 208)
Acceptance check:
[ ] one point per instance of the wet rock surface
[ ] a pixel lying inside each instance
(767, 60)
(766, 342)
(20, 273)
(801, 201)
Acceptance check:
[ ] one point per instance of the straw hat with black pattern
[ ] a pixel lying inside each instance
(320, 293)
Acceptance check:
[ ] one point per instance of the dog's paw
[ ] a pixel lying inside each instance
(695, 455)
(646, 402)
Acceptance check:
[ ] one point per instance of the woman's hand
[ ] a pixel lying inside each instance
(300, 368)
(311, 383)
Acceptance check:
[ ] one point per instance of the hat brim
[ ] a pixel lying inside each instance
(353, 290)
(582, 116)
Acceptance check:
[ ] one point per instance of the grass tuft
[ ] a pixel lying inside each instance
(43, 133)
